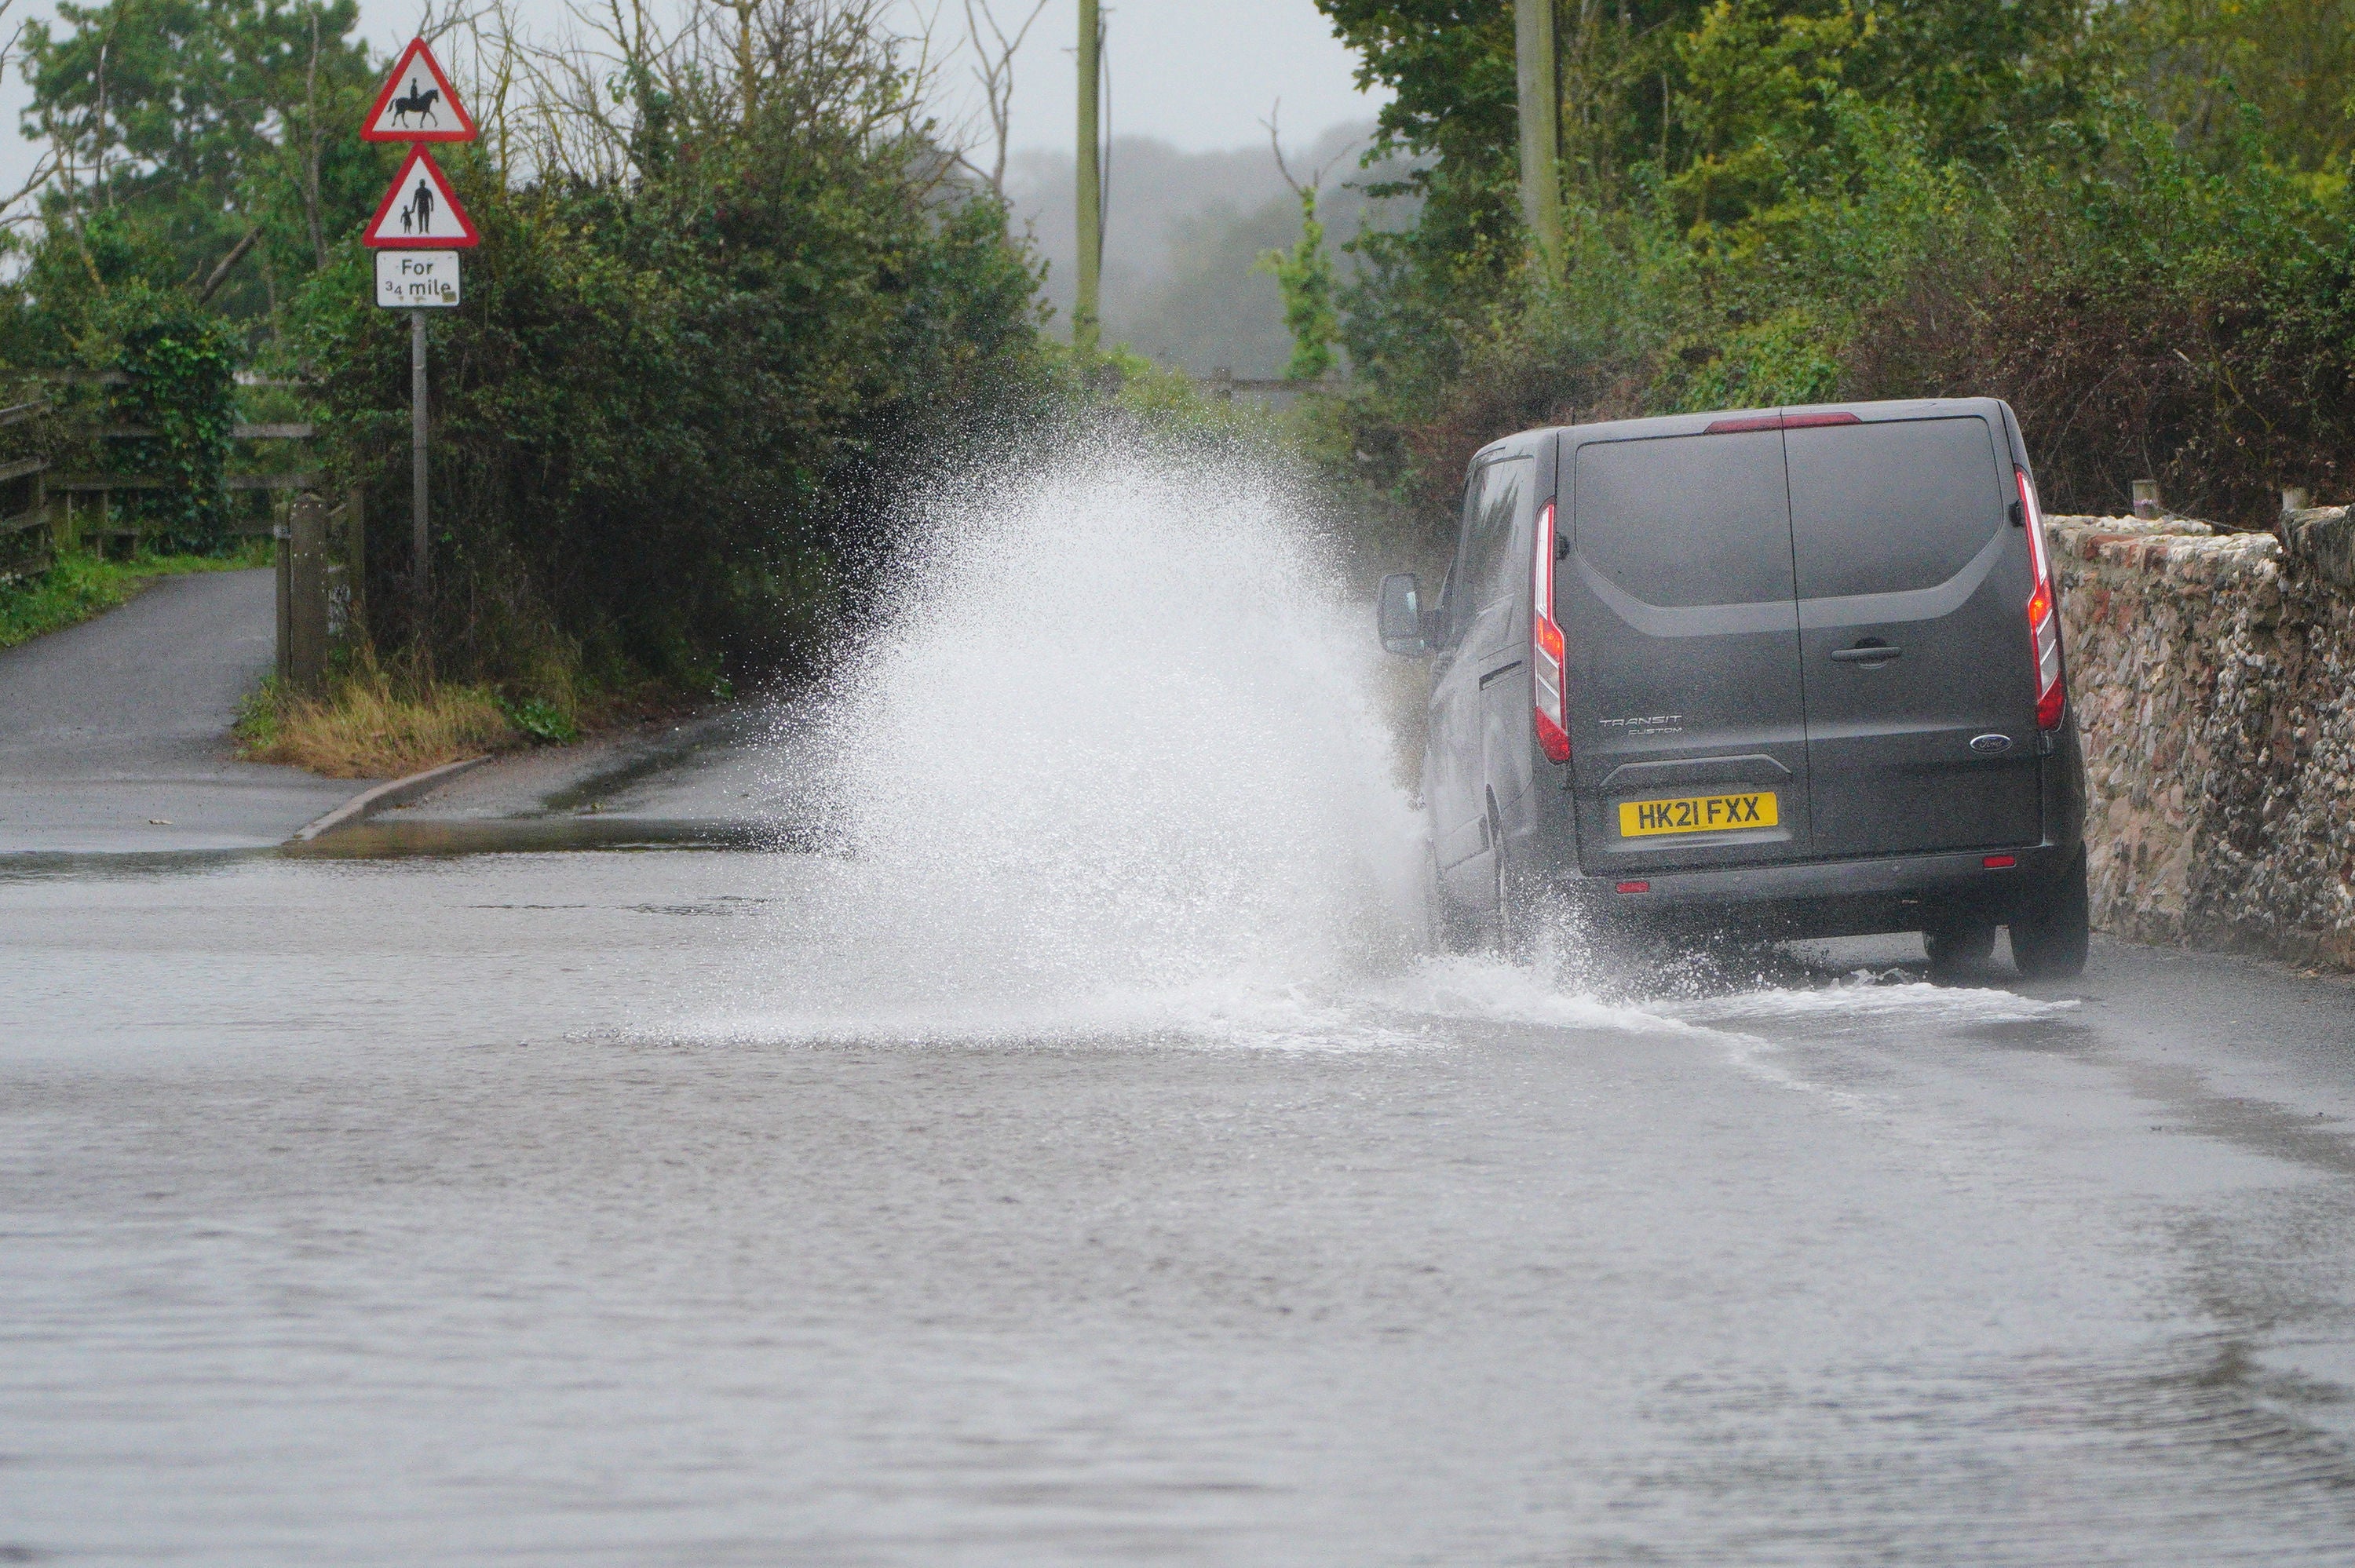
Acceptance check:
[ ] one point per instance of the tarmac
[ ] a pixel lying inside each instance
(114, 734)
(735, 778)
(114, 741)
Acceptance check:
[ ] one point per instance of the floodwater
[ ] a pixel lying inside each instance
(1055, 1145)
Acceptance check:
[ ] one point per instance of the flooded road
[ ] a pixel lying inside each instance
(460, 1210)
(1057, 1146)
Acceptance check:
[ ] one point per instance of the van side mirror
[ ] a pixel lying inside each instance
(1400, 618)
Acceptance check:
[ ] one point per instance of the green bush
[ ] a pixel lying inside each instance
(182, 360)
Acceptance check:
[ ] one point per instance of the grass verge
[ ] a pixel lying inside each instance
(82, 584)
(374, 723)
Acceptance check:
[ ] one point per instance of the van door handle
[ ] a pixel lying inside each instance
(1866, 653)
(1500, 672)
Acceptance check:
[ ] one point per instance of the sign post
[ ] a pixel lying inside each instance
(421, 538)
(417, 230)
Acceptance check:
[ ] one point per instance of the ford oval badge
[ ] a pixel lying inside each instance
(1991, 745)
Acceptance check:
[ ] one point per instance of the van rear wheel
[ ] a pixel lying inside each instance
(1959, 950)
(2049, 941)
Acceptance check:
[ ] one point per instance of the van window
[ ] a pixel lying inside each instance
(1683, 521)
(1492, 504)
(1891, 508)
(1449, 622)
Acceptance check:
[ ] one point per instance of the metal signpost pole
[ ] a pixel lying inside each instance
(420, 536)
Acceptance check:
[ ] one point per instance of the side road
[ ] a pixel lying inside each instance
(115, 734)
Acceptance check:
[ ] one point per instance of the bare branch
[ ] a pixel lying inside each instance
(44, 169)
(227, 264)
(1315, 181)
(995, 72)
(1276, 145)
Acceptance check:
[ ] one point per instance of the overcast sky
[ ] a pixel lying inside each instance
(1201, 74)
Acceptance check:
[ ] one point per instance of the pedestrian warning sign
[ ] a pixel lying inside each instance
(420, 212)
(418, 104)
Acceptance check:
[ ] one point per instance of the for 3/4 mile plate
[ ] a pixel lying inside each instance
(416, 280)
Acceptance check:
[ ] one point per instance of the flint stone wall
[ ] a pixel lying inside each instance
(2210, 677)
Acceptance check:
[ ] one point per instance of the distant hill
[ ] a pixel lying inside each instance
(1182, 231)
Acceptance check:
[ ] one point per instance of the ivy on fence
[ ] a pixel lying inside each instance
(182, 362)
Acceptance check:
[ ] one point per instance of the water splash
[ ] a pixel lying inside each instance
(1868, 999)
(1112, 763)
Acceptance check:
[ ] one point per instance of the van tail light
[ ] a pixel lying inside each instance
(1548, 650)
(2043, 614)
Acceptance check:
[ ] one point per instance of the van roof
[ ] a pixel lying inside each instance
(1695, 424)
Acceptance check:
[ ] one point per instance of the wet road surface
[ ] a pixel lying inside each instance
(523, 1207)
(115, 734)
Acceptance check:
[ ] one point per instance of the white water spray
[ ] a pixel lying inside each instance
(1111, 762)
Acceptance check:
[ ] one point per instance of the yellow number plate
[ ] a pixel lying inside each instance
(1698, 814)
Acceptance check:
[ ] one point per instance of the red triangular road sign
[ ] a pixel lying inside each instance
(420, 212)
(418, 104)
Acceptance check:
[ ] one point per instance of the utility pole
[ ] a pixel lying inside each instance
(1538, 77)
(1086, 316)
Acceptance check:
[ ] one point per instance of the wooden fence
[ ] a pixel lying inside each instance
(1224, 383)
(77, 490)
(319, 549)
(24, 483)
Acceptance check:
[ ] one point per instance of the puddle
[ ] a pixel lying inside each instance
(381, 840)
(99, 866)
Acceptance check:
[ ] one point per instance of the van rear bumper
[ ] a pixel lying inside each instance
(1833, 898)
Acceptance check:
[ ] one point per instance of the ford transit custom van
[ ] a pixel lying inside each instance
(1796, 672)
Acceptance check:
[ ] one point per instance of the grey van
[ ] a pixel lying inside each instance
(1792, 671)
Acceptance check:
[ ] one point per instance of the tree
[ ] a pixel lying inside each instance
(1727, 109)
(192, 133)
(1304, 274)
(2201, 64)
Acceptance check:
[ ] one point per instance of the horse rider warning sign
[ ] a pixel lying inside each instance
(418, 104)
(420, 212)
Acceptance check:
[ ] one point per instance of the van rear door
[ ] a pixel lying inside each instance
(1680, 607)
(1913, 586)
